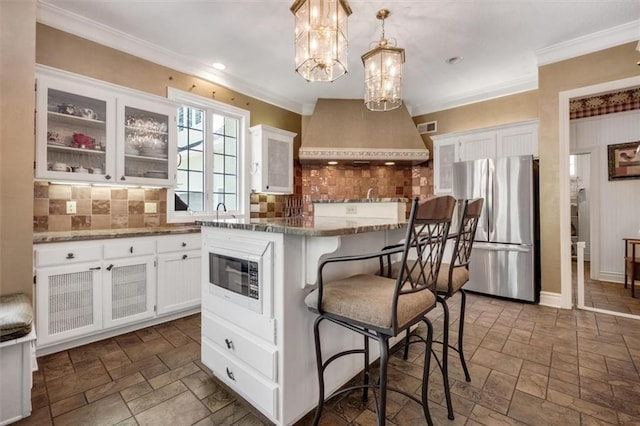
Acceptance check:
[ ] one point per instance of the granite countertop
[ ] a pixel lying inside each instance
(366, 200)
(98, 234)
(309, 226)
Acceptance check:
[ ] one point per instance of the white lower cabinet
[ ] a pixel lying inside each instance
(129, 291)
(179, 284)
(88, 287)
(68, 301)
(242, 360)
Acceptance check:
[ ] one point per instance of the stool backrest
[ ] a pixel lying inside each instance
(471, 210)
(427, 231)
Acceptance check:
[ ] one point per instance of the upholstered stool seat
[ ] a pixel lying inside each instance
(367, 299)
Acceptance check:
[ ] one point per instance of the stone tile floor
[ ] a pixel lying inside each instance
(529, 365)
(607, 295)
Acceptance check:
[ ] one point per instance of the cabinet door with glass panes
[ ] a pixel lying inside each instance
(74, 130)
(146, 137)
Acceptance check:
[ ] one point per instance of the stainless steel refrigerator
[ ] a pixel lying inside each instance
(505, 260)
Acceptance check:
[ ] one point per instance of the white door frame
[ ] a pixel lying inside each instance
(563, 180)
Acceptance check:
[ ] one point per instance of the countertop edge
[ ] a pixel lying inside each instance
(104, 234)
(295, 229)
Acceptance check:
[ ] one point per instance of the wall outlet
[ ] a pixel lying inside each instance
(71, 207)
(352, 209)
(150, 208)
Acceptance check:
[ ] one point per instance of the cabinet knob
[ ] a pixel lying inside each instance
(184, 256)
(123, 178)
(107, 177)
(131, 249)
(230, 374)
(70, 256)
(184, 244)
(229, 343)
(110, 267)
(97, 268)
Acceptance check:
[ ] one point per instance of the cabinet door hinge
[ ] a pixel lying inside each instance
(35, 279)
(155, 308)
(155, 263)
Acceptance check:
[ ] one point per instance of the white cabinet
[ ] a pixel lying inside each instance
(92, 131)
(179, 272)
(445, 153)
(89, 287)
(502, 141)
(68, 291)
(129, 290)
(272, 160)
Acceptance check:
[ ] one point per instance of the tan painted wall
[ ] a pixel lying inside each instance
(599, 67)
(17, 54)
(494, 112)
(65, 51)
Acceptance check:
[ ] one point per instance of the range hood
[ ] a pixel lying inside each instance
(344, 130)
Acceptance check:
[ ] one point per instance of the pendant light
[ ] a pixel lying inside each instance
(321, 38)
(383, 73)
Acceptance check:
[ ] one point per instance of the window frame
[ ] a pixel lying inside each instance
(210, 107)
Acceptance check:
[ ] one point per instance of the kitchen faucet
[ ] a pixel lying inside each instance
(369, 192)
(224, 208)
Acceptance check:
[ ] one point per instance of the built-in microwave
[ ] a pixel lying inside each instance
(239, 271)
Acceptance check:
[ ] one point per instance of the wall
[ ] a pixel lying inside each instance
(598, 67)
(61, 50)
(494, 112)
(17, 54)
(617, 213)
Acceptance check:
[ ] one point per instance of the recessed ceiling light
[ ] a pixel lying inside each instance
(455, 60)
(219, 66)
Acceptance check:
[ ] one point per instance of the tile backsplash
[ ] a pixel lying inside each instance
(100, 207)
(97, 207)
(315, 182)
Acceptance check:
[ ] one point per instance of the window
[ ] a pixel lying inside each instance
(211, 157)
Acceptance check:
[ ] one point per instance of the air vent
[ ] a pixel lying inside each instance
(429, 127)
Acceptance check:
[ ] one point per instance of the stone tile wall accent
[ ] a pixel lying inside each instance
(97, 207)
(315, 182)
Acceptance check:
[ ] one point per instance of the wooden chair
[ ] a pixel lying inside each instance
(379, 307)
(631, 263)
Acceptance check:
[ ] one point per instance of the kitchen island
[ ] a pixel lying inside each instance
(265, 350)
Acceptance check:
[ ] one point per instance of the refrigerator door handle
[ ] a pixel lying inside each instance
(489, 198)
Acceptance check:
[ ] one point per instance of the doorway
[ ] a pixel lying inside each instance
(567, 197)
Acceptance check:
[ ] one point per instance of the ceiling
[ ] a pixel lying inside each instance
(502, 42)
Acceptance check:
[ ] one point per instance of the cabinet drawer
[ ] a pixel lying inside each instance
(49, 256)
(236, 343)
(128, 248)
(178, 242)
(260, 392)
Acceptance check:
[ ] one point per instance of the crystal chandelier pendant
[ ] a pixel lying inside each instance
(321, 38)
(383, 73)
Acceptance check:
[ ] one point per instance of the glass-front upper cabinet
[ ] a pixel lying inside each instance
(146, 139)
(74, 134)
(91, 131)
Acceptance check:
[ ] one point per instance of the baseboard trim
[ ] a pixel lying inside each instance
(552, 300)
(612, 277)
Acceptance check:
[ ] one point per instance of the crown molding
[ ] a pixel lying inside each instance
(589, 43)
(524, 84)
(78, 25)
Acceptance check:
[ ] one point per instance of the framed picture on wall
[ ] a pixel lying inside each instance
(624, 160)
